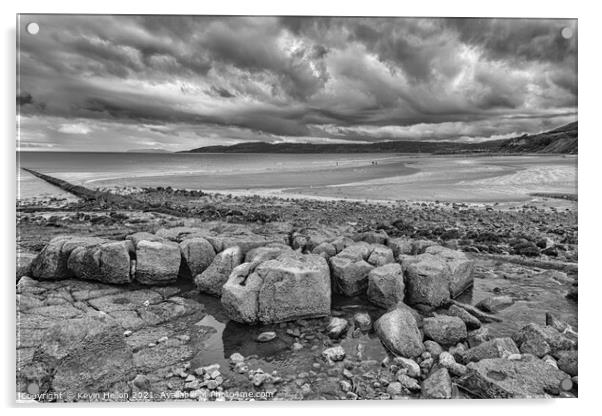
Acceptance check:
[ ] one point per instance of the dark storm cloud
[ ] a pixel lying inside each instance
(185, 81)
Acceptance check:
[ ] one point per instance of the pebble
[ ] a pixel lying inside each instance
(334, 353)
(297, 346)
(237, 358)
(266, 336)
(394, 389)
(127, 333)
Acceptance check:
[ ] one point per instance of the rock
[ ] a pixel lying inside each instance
(541, 340)
(568, 362)
(445, 330)
(405, 246)
(386, 286)
(237, 358)
(292, 286)
(265, 253)
(563, 327)
(350, 270)
(480, 315)
(108, 262)
(410, 366)
(447, 360)
(197, 255)
(478, 336)
(266, 336)
(51, 262)
(216, 275)
(399, 333)
(362, 321)
(494, 304)
(372, 237)
(460, 267)
(326, 250)
(496, 348)
(433, 348)
(336, 327)
(394, 389)
(408, 382)
(240, 294)
(471, 321)
(308, 238)
(380, 255)
(144, 236)
(225, 236)
(426, 279)
(437, 386)
(81, 355)
(499, 378)
(24, 261)
(157, 262)
(334, 353)
(142, 382)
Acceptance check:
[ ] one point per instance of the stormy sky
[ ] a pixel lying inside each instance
(116, 83)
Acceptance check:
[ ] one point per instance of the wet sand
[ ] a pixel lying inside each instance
(455, 178)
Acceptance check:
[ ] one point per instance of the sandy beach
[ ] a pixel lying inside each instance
(354, 177)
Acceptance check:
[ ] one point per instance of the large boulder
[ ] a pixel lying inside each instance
(108, 262)
(80, 356)
(51, 263)
(500, 378)
(197, 255)
(240, 294)
(350, 268)
(214, 277)
(269, 252)
(399, 333)
(435, 276)
(385, 285)
(444, 330)
(541, 340)
(426, 280)
(292, 286)
(460, 267)
(157, 262)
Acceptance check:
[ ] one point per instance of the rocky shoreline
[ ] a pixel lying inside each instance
(131, 325)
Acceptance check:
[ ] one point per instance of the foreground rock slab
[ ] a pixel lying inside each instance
(500, 378)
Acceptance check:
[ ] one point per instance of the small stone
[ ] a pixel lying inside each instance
(348, 374)
(142, 382)
(408, 383)
(237, 358)
(394, 389)
(362, 321)
(162, 339)
(297, 346)
(334, 354)
(411, 366)
(336, 327)
(438, 385)
(266, 336)
(434, 348)
(127, 333)
(345, 385)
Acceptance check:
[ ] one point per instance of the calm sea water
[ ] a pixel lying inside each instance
(148, 169)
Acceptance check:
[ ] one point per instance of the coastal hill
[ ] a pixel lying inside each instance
(559, 140)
